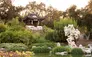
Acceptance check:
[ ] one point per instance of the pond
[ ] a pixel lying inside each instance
(47, 55)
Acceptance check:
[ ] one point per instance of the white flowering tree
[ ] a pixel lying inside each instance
(72, 34)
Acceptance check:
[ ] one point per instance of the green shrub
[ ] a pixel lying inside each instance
(63, 22)
(38, 38)
(24, 37)
(7, 37)
(15, 25)
(45, 44)
(16, 37)
(15, 33)
(76, 51)
(69, 48)
(43, 49)
(60, 49)
(49, 36)
(3, 27)
(46, 29)
(58, 34)
(14, 46)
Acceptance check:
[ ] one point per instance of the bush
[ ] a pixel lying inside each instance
(47, 29)
(63, 22)
(3, 27)
(14, 46)
(15, 33)
(16, 37)
(60, 49)
(7, 37)
(76, 51)
(38, 38)
(44, 44)
(50, 34)
(58, 34)
(15, 25)
(43, 49)
(69, 48)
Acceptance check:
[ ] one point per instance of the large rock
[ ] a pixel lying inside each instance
(3, 49)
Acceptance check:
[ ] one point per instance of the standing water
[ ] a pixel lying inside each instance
(47, 55)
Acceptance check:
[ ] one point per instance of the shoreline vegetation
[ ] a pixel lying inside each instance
(16, 39)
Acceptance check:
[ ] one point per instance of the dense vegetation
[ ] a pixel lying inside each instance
(12, 29)
(77, 51)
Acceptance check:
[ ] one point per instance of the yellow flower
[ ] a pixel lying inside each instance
(11, 54)
(19, 53)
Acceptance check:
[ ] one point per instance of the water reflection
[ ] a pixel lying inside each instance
(47, 55)
(77, 55)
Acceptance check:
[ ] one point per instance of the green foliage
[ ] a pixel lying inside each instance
(16, 37)
(76, 51)
(3, 27)
(39, 37)
(47, 30)
(59, 29)
(8, 11)
(82, 16)
(68, 49)
(15, 33)
(50, 36)
(14, 46)
(57, 34)
(60, 49)
(59, 25)
(49, 44)
(43, 49)
(7, 36)
(50, 13)
(15, 25)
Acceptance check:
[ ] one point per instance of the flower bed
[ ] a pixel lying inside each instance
(16, 54)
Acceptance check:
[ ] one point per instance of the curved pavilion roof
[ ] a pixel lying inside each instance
(33, 17)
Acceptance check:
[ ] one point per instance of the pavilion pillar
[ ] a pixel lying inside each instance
(38, 23)
(32, 22)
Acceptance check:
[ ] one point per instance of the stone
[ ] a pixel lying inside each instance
(61, 53)
(72, 35)
(58, 44)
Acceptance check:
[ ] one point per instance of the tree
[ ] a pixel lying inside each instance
(83, 16)
(53, 15)
(39, 9)
(73, 12)
(86, 18)
(8, 11)
(58, 34)
(49, 13)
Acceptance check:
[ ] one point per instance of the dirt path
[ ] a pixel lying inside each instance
(84, 41)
